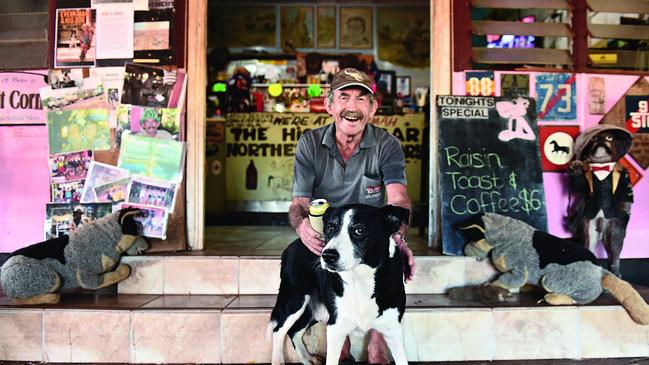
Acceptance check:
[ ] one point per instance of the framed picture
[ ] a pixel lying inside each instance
(386, 82)
(355, 27)
(297, 26)
(403, 85)
(326, 23)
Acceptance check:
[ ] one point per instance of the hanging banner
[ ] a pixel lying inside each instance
(20, 102)
(260, 151)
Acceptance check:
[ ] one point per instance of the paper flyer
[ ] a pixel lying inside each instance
(161, 123)
(151, 192)
(69, 166)
(151, 221)
(19, 99)
(152, 157)
(77, 130)
(75, 38)
(98, 174)
(115, 31)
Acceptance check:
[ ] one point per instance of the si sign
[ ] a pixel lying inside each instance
(20, 102)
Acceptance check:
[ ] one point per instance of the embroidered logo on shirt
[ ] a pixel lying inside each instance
(372, 192)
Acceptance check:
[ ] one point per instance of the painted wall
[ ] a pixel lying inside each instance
(555, 183)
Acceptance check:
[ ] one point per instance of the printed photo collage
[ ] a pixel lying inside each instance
(146, 103)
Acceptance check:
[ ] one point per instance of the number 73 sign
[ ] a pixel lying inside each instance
(556, 97)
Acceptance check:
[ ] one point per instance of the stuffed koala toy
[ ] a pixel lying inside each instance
(568, 272)
(87, 258)
(603, 190)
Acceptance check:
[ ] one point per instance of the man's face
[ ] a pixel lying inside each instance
(351, 110)
(150, 126)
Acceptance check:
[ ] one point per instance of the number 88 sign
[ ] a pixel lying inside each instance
(556, 97)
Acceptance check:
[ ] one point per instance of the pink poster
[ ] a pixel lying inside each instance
(24, 185)
(20, 102)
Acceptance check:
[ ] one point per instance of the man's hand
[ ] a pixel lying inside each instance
(310, 237)
(408, 257)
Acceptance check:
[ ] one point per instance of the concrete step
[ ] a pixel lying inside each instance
(231, 329)
(197, 273)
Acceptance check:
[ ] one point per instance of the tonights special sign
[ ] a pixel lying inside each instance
(260, 151)
(20, 102)
(489, 161)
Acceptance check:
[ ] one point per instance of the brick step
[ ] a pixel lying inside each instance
(231, 329)
(197, 273)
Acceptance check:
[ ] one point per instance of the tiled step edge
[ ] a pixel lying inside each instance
(260, 275)
(239, 335)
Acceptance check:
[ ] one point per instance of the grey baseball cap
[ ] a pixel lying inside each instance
(351, 77)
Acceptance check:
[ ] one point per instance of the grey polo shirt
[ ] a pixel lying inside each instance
(320, 171)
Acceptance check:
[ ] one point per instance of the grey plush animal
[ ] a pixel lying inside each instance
(567, 271)
(88, 258)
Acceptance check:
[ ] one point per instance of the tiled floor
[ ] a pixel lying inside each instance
(271, 241)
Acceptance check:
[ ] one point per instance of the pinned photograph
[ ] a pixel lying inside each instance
(98, 174)
(151, 192)
(88, 95)
(113, 192)
(65, 218)
(152, 157)
(152, 36)
(77, 130)
(69, 166)
(64, 78)
(151, 86)
(161, 123)
(75, 38)
(151, 221)
(67, 192)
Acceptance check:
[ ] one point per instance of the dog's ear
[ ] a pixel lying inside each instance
(127, 220)
(472, 228)
(393, 216)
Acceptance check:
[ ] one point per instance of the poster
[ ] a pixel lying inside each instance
(75, 44)
(76, 130)
(152, 157)
(114, 31)
(637, 113)
(557, 146)
(514, 85)
(20, 101)
(556, 96)
(260, 151)
(480, 83)
(488, 162)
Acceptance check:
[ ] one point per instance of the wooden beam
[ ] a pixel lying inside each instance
(196, 115)
(485, 27)
(625, 6)
(619, 31)
(532, 56)
(521, 4)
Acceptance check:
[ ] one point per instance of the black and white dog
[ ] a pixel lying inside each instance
(356, 285)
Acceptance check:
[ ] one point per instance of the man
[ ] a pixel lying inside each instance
(150, 122)
(350, 161)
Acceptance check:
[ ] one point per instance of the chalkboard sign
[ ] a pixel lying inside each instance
(489, 161)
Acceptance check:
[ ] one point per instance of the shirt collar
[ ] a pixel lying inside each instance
(368, 140)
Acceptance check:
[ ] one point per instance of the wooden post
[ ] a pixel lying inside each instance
(196, 115)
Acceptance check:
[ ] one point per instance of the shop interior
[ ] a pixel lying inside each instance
(269, 69)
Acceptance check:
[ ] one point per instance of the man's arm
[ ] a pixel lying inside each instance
(298, 218)
(398, 195)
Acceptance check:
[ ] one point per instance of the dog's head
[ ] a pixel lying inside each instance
(359, 234)
(603, 143)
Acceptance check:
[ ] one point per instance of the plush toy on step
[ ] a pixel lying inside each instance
(87, 258)
(603, 190)
(568, 272)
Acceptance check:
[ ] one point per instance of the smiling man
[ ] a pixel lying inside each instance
(350, 161)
